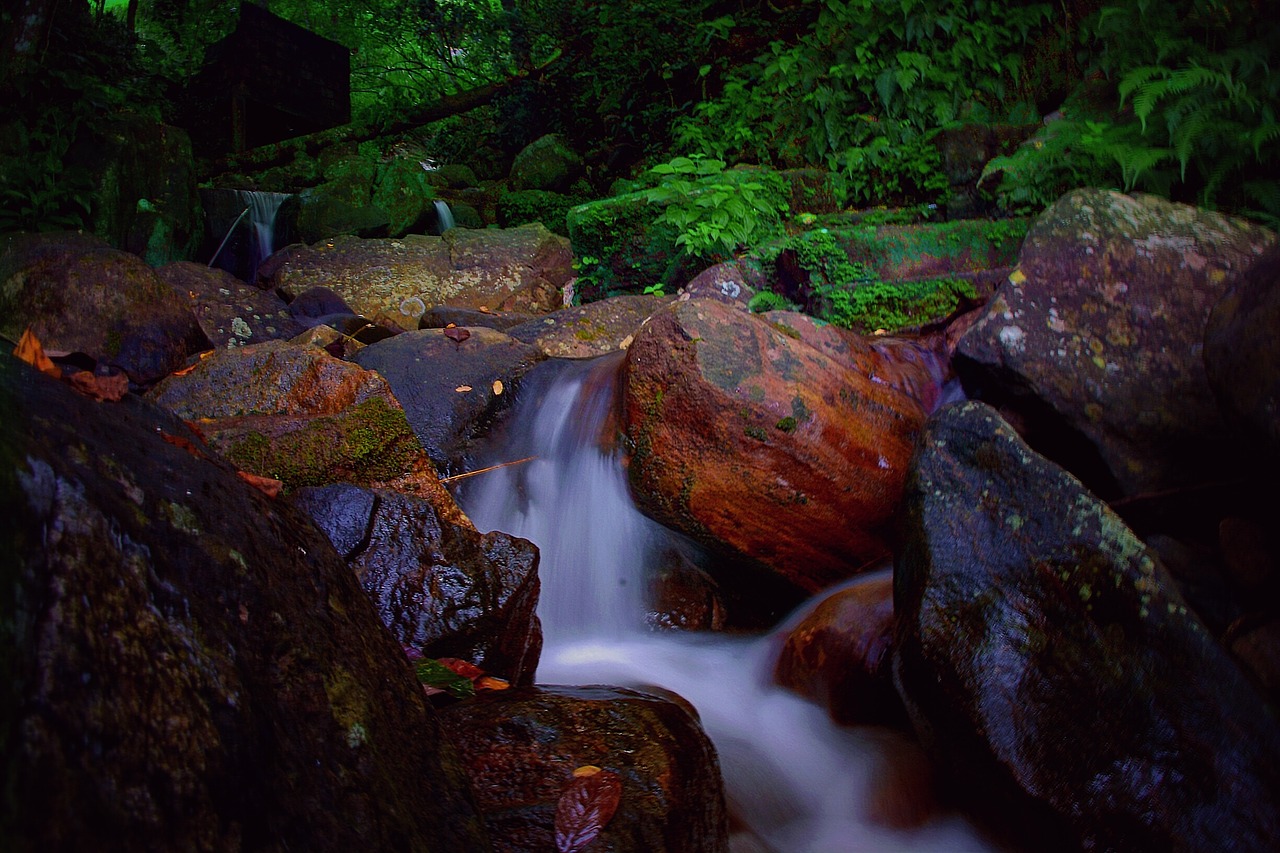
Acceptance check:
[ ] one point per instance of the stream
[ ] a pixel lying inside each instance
(794, 781)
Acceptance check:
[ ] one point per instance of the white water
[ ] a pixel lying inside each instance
(263, 207)
(444, 216)
(796, 781)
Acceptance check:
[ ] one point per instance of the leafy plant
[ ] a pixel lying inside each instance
(714, 211)
(764, 301)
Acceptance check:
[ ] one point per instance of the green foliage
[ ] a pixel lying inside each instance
(715, 212)
(763, 301)
(621, 248)
(549, 208)
(1189, 111)
(433, 673)
(863, 91)
(56, 109)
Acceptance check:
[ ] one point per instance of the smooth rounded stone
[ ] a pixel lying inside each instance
(522, 746)
(442, 316)
(760, 446)
(591, 330)
(1047, 660)
(316, 302)
(1098, 335)
(451, 383)
(731, 282)
(77, 294)
(188, 663)
(547, 163)
(684, 597)
(838, 654)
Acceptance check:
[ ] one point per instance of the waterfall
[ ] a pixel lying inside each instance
(444, 216)
(263, 207)
(797, 782)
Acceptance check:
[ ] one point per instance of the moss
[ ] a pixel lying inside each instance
(756, 432)
(369, 442)
(525, 206)
(787, 424)
(619, 247)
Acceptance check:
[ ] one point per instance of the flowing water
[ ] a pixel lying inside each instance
(795, 782)
(444, 216)
(262, 207)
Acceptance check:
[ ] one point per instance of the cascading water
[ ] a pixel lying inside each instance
(263, 207)
(797, 782)
(444, 216)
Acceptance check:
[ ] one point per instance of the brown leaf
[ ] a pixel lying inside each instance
(30, 351)
(90, 384)
(184, 443)
(456, 334)
(585, 807)
(268, 486)
(492, 682)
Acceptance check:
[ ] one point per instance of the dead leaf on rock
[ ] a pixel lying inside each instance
(491, 682)
(462, 389)
(90, 384)
(30, 351)
(185, 443)
(268, 486)
(456, 333)
(585, 807)
(497, 387)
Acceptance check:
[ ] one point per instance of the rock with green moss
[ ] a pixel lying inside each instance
(549, 208)
(188, 664)
(401, 188)
(545, 164)
(1048, 661)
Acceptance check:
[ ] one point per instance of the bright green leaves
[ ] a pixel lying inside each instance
(714, 211)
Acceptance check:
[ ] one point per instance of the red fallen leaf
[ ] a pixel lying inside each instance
(456, 334)
(30, 351)
(464, 668)
(90, 384)
(585, 807)
(268, 486)
(184, 443)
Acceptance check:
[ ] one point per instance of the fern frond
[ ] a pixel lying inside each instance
(1262, 135)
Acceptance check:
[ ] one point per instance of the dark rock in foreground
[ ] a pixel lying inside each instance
(522, 747)
(188, 664)
(1043, 649)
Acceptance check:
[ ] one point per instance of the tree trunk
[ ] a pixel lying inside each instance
(278, 153)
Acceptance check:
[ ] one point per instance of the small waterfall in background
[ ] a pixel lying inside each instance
(263, 207)
(795, 780)
(444, 216)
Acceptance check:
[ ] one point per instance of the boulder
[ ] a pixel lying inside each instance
(78, 294)
(451, 383)
(546, 163)
(438, 584)
(230, 312)
(189, 664)
(588, 331)
(1242, 354)
(838, 654)
(1099, 334)
(296, 414)
(1047, 660)
(513, 269)
(733, 282)
(759, 445)
(522, 747)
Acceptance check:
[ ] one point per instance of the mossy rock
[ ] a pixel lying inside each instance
(403, 190)
(525, 206)
(900, 306)
(370, 442)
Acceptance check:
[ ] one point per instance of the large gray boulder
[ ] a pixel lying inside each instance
(1102, 326)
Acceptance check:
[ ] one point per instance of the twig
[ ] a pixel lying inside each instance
(453, 477)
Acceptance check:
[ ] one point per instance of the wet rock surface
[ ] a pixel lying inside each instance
(1046, 658)
(587, 331)
(189, 664)
(839, 654)
(230, 312)
(522, 746)
(438, 584)
(1100, 330)
(451, 383)
(748, 439)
